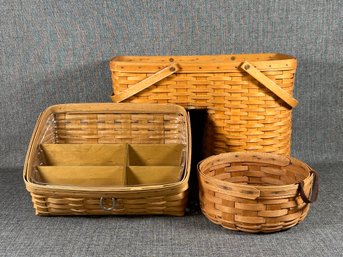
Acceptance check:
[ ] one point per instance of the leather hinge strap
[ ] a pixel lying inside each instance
(315, 189)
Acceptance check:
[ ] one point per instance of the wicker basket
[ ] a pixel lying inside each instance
(256, 192)
(101, 159)
(248, 96)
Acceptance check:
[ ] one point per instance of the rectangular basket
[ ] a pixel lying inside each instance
(103, 159)
(248, 96)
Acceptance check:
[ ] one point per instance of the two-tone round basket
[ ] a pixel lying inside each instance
(256, 192)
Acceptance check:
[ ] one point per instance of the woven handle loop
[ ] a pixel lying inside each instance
(145, 83)
(313, 192)
(268, 83)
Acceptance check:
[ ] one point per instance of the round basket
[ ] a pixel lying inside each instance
(256, 192)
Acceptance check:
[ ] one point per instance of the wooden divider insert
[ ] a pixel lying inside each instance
(110, 164)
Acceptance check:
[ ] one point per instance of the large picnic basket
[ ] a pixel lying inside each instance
(106, 158)
(248, 96)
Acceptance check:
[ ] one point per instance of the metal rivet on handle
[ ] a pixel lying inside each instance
(171, 59)
(172, 69)
(247, 67)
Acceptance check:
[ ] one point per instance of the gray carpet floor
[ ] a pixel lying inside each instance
(24, 234)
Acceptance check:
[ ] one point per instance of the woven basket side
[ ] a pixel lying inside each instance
(166, 204)
(243, 115)
(120, 128)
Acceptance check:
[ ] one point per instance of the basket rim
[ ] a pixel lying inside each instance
(106, 108)
(286, 161)
(207, 63)
(118, 107)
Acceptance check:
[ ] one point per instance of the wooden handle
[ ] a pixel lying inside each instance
(145, 83)
(268, 83)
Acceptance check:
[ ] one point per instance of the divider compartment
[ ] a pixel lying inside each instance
(144, 175)
(91, 176)
(155, 154)
(85, 154)
(154, 163)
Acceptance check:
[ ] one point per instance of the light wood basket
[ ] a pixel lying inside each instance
(106, 159)
(248, 96)
(256, 192)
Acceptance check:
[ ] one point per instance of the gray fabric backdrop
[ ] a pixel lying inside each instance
(58, 51)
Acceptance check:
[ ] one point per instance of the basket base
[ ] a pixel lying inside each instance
(255, 228)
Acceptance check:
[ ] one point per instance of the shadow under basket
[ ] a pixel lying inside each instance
(256, 192)
(100, 159)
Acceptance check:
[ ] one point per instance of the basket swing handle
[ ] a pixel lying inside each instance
(314, 191)
(268, 83)
(145, 83)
